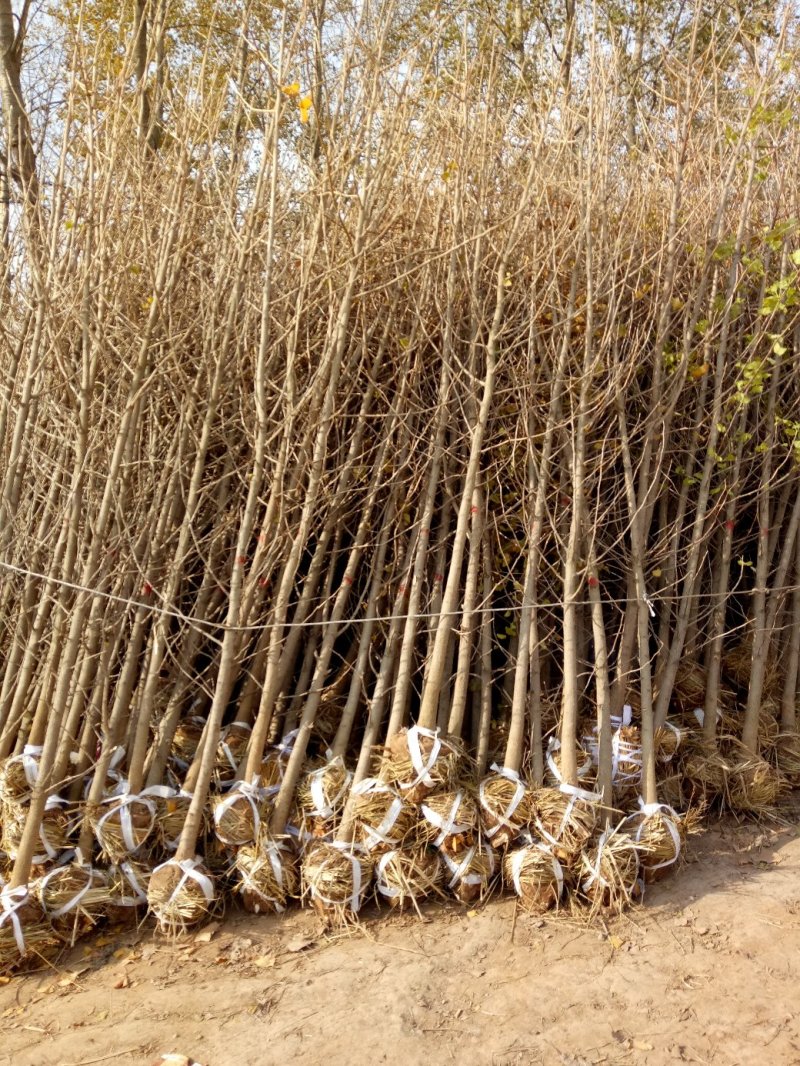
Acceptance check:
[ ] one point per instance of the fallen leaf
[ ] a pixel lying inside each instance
(299, 943)
(616, 942)
(472, 914)
(264, 962)
(123, 982)
(205, 935)
(641, 1045)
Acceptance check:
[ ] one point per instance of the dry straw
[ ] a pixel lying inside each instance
(180, 895)
(566, 818)
(407, 876)
(419, 761)
(337, 879)
(610, 870)
(384, 819)
(535, 875)
(74, 897)
(450, 820)
(506, 805)
(268, 875)
(469, 871)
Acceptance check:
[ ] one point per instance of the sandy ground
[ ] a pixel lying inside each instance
(706, 971)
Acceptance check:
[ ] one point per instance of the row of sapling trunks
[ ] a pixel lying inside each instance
(406, 525)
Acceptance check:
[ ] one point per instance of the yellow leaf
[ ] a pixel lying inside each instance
(305, 106)
(291, 90)
(677, 303)
(472, 914)
(641, 1045)
(615, 942)
(697, 372)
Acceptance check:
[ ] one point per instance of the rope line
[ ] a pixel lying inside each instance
(650, 602)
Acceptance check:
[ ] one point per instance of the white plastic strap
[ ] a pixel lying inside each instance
(594, 867)
(323, 806)
(355, 867)
(379, 835)
(518, 858)
(190, 872)
(554, 745)
(670, 818)
(251, 793)
(139, 894)
(421, 765)
(287, 743)
(519, 791)
(11, 899)
(385, 889)
(273, 850)
(224, 743)
(159, 792)
(622, 751)
(122, 805)
(51, 852)
(447, 824)
(575, 794)
(673, 729)
(72, 903)
(31, 754)
(459, 869)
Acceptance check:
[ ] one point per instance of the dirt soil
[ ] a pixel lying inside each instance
(706, 971)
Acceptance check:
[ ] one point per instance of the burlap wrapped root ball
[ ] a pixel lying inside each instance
(240, 813)
(123, 825)
(450, 820)
(506, 806)
(753, 786)
(54, 833)
(419, 761)
(787, 757)
(535, 875)
(667, 741)
(74, 897)
(231, 751)
(267, 875)
(336, 879)
(18, 775)
(610, 870)
(321, 795)
(383, 819)
(26, 935)
(128, 883)
(469, 871)
(689, 689)
(405, 877)
(186, 740)
(627, 761)
(172, 807)
(180, 894)
(583, 759)
(659, 833)
(705, 771)
(566, 817)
